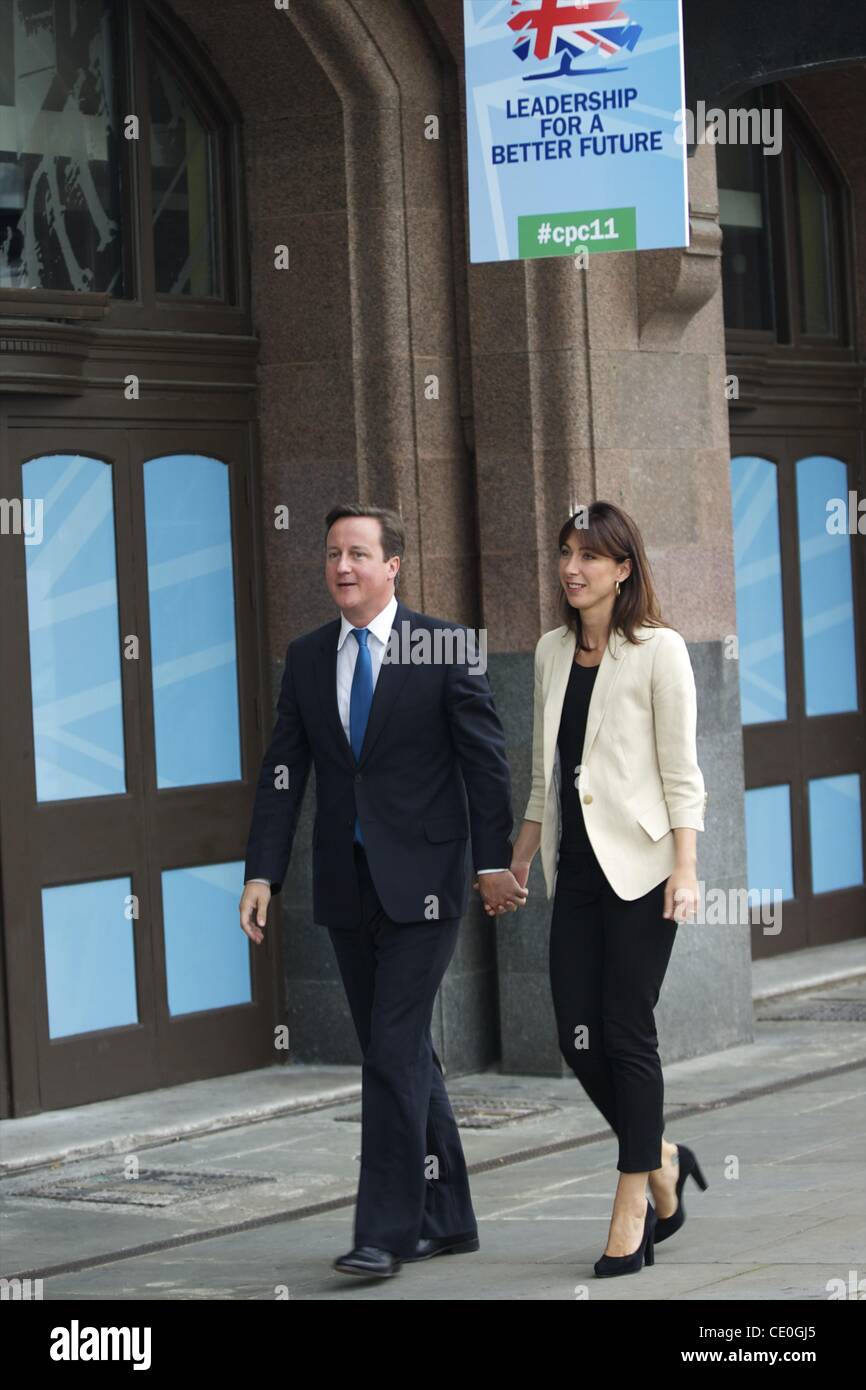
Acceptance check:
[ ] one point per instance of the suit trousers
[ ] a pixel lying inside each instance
(608, 959)
(413, 1180)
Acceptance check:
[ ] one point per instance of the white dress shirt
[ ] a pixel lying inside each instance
(347, 655)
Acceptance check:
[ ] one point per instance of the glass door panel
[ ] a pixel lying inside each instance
(768, 841)
(207, 957)
(836, 827)
(192, 620)
(758, 571)
(89, 956)
(827, 599)
(73, 624)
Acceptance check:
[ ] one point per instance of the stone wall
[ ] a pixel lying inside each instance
(553, 386)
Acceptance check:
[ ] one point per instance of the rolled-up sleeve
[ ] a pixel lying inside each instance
(675, 715)
(538, 795)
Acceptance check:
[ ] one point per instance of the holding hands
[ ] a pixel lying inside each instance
(505, 891)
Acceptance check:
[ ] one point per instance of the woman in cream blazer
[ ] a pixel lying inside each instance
(639, 777)
(614, 688)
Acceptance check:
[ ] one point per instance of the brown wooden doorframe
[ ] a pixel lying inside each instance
(188, 826)
(58, 842)
(136, 833)
(802, 747)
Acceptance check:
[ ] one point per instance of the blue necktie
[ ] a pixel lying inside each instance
(360, 701)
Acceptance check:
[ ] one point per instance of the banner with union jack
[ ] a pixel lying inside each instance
(574, 122)
(549, 26)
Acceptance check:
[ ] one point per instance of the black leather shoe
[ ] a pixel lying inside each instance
(428, 1246)
(689, 1166)
(609, 1265)
(370, 1261)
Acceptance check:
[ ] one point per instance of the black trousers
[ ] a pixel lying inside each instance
(608, 959)
(413, 1179)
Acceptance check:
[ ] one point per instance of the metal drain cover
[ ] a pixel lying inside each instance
(815, 1011)
(154, 1187)
(484, 1112)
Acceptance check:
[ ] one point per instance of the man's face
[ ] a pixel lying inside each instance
(358, 575)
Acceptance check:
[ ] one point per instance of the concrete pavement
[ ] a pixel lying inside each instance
(243, 1188)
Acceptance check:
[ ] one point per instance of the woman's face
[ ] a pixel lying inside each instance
(588, 577)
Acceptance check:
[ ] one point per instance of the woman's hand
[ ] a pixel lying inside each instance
(681, 895)
(521, 871)
(523, 852)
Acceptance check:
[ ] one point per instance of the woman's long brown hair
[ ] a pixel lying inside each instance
(610, 531)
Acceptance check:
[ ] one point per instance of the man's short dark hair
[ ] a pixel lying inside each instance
(391, 532)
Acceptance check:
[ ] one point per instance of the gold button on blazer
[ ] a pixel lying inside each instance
(639, 777)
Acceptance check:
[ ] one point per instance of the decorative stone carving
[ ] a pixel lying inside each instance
(674, 284)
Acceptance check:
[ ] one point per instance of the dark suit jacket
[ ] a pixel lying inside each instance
(433, 743)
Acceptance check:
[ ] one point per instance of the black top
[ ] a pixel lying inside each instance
(572, 729)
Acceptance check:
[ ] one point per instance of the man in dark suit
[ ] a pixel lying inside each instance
(410, 762)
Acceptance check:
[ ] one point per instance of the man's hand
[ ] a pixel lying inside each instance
(254, 910)
(500, 892)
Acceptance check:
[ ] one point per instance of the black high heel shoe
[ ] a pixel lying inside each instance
(609, 1265)
(689, 1167)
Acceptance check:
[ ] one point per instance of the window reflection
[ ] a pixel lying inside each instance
(746, 271)
(59, 149)
(813, 249)
(182, 155)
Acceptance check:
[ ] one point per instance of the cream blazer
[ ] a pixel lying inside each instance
(639, 776)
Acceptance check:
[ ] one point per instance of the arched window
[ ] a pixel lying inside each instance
(783, 220)
(118, 163)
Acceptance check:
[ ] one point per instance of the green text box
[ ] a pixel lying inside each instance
(564, 233)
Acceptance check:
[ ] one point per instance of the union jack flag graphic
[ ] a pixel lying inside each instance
(598, 27)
